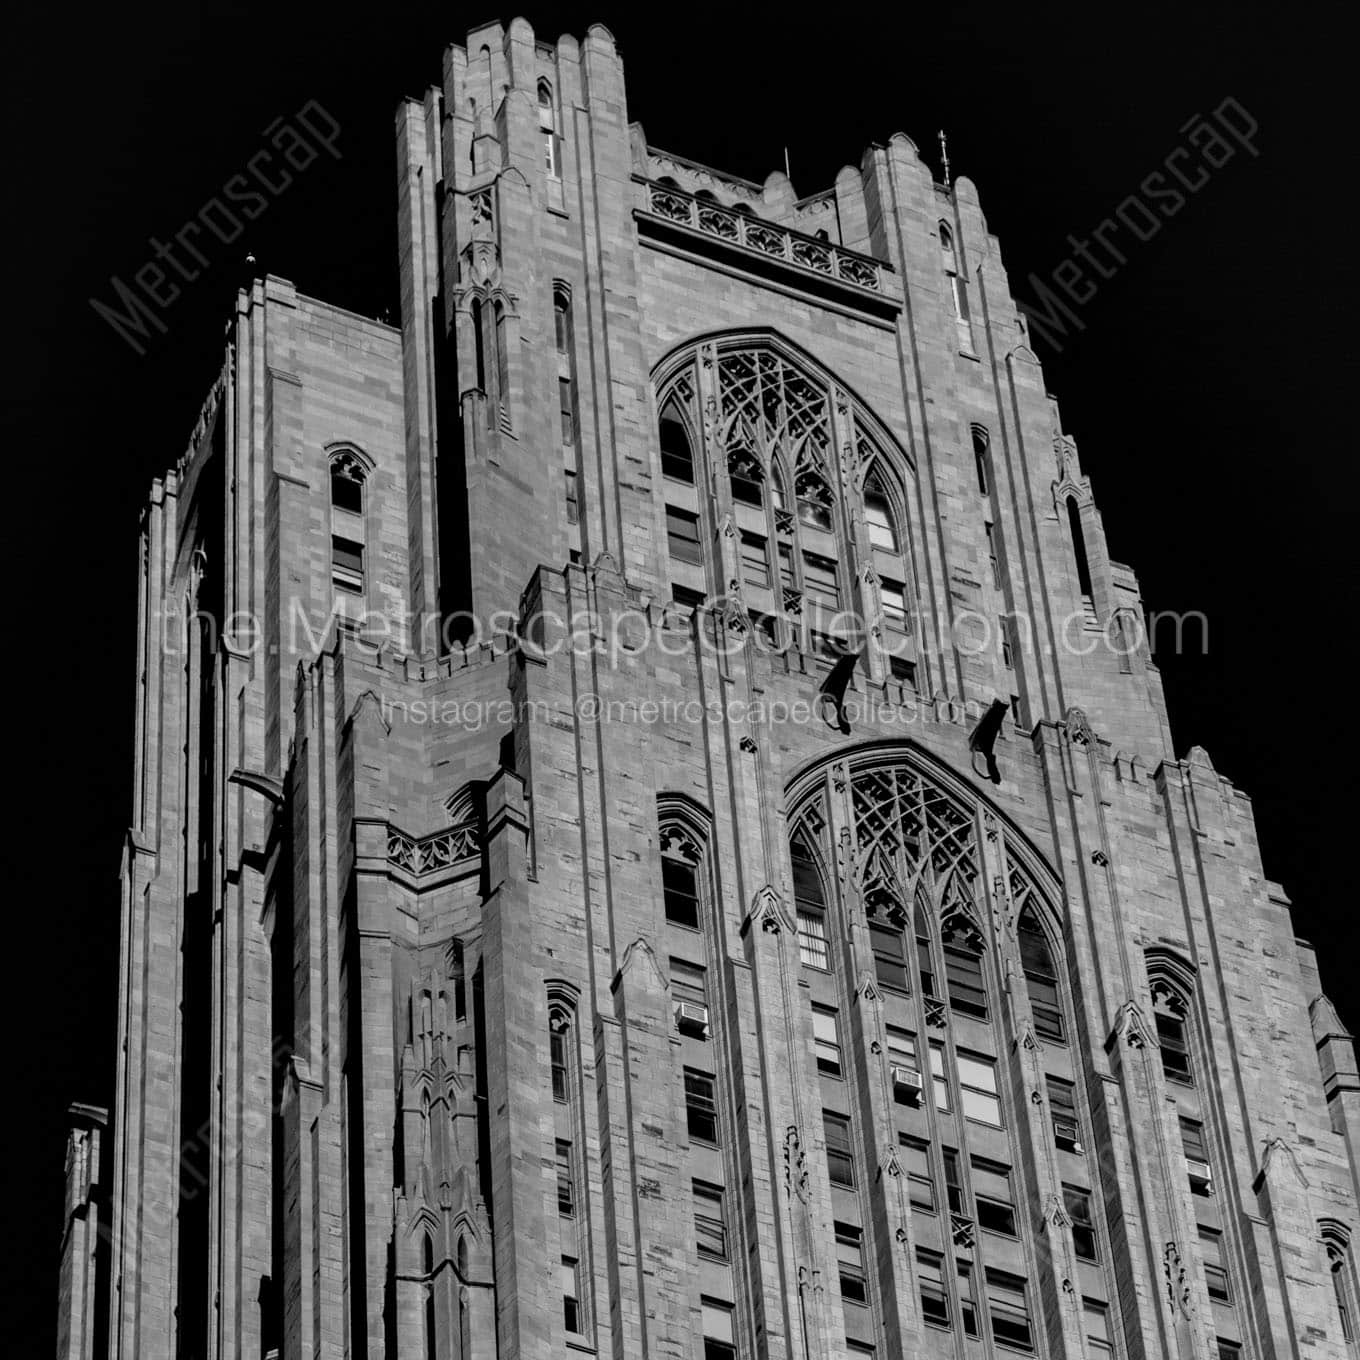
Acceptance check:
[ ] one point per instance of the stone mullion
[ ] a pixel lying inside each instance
(1193, 814)
(1036, 1151)
(906, 189)
(766, 1060)
(1120, 1187)
(893, 1232)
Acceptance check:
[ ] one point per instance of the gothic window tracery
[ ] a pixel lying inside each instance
(793, 460)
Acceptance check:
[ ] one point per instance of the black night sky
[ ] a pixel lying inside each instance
(1207, 387)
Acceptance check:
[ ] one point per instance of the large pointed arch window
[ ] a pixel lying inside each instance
(766, 456)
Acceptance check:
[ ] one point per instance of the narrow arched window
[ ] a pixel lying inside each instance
(562, 322)
(677, 457)
(879, 513)
(1041, 977)
(1079, 547)
(982, 459)
(681, 857)
(348, 528)
(547, 127)
(479, 343)
(957, 289)
(1172, 1036)
(502, 358)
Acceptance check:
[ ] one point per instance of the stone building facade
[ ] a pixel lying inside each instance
(656, 832)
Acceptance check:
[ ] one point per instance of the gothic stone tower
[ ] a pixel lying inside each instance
(598, 982)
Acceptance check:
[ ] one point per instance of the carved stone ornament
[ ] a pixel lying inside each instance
(1099, 857)
(768, 910)
(1079, 727)
(748, 744)
(1177, 1282)
(795, 1164)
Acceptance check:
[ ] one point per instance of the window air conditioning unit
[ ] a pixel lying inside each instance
(1201, 1176)
(906, 1083)
(1068, 1135)
(691, 1017)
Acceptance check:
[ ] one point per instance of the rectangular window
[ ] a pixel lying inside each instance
(953, 1183)
(701, 1106)
(1097, 1316)
(1078, 1204)
(840, 1160)
(902, 670)
(785, 555)
(1228, 1350)
(566, 1191)
(890, 954)
(557, 1043)
(755, 565)
(920, 1181)
(680, 889)
(812, 943)
(1009, 1308)
(850, 1258)
(1197, 1166)
(826, 1034)
(977, 1078)
(573, 505)
(347, 563)
(967, 1299)
(564, 404)
(819, 580)
(991, 554)
(1003, 631)
(710, 1221)
(571, 1297)
(939, 1079)
(1175, 1049)
(1062, 1104)
(717, 1325)
(930, 1276)
(1043, 1000)
(682, 536)
(963, 973)
(689, 998)
(894, 601)
(992, 1192)
(1215, 1269)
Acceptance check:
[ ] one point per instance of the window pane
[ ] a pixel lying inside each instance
(1078, 1204)
(992, 1190)
(890, 955)
(566, 1194)
(682, 536)
(710, 1221)
(967, 990)
(819, 580)
(557, 1043)
(677, 461)
(934, 1301)
(680, 887)
(717, 1320)
(850, 1259)
(839, 1158)
(978, 1080)
(828, 1041)
(755, 566)
(920, 1182)
(1009, 1310)
(938, 1077)
(701, 1108)
(812, 942)
(347, 493)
